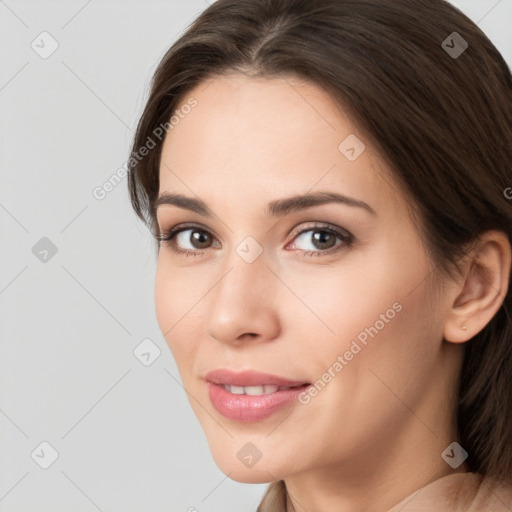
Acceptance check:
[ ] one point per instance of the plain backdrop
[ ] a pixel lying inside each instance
(77, 272)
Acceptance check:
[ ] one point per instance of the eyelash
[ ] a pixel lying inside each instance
(166, 238)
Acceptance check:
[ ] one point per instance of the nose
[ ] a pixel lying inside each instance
(243, 304)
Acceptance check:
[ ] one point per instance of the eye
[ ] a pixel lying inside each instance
(323, 239)
(177, 236)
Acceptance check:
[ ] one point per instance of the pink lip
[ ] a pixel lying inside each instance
(247, 408)
(249, 378)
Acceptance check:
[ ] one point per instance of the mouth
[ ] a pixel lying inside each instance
(246, 407)
(266, 389)
(251, 396)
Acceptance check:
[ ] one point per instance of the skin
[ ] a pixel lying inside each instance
(375, 433)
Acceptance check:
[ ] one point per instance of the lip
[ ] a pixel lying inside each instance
(248, 408)
(249, 378)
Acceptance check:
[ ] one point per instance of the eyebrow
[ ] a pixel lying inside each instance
(276, 208)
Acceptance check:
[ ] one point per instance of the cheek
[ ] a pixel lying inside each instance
(334, 303)
(373, 314)
(386, 345)
(176, 291)
(175, 313)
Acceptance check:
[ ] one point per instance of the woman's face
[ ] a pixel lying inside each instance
(279, 291)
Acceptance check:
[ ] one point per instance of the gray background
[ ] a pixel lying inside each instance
(71, 320)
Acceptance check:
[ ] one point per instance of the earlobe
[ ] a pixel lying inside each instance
(483, 289)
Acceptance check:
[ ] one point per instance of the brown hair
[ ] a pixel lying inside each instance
(443, 123)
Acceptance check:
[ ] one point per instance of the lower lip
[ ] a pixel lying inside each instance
(247, 408)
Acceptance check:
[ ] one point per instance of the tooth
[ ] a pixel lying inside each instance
(253, 390)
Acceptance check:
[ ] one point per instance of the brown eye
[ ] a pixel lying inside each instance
(197, 238)
(319, 240)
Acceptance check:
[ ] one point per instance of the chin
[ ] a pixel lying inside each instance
(238, 467)
(248, 475)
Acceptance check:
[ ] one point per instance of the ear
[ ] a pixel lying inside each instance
(482, 289)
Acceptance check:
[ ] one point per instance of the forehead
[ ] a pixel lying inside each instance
(251, 137)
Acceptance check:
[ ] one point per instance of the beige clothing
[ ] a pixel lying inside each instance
(459, 492)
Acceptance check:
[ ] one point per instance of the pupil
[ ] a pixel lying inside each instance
(320, 236)
(199, 237)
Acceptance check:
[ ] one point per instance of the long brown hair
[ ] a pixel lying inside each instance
(441, 118)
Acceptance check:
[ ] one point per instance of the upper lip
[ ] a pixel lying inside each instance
(249, 378)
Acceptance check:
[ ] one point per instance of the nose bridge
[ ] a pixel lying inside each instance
(248, 273)
(240, 300)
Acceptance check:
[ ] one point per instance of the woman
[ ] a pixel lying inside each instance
(328, 192)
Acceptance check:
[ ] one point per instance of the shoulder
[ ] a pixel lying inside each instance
(493, 495)
(460, 492)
